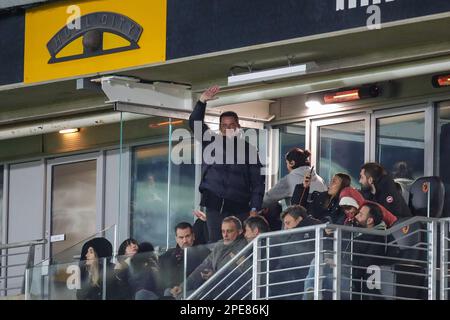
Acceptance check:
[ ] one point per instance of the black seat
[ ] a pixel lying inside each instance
(418, 197)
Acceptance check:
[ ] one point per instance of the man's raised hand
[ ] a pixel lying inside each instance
(209, 94)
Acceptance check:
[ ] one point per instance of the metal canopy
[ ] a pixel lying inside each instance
(174, 101)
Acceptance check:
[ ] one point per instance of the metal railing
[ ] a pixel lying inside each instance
(14, 263)
(444, 275)
(400, 263)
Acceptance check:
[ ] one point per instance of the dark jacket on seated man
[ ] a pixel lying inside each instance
(296, 251)
(172, 263)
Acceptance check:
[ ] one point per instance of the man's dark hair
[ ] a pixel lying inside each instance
(374, 212)
(294, 212)
(229, 114)
(299, 156)
(374, 170)
(235, 220)
(257, 222)
(182, 226)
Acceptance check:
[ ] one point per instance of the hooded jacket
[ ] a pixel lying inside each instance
(241, 184)
(389, 197)
(284, 188)
(349, 192)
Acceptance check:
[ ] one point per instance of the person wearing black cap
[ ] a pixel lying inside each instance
(95, 256)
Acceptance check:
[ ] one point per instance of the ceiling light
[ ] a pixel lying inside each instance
(265, 75)
(72, 130)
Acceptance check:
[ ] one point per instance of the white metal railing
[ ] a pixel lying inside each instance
(400, 263)
(15, 258)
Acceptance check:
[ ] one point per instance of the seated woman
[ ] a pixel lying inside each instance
(127, 249)
(95, 257)
(323, 206)
(143, 274)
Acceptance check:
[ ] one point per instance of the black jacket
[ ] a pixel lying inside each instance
(389, 197)
(319, 205)
(172, 264)
(240, 184)
(292, 254)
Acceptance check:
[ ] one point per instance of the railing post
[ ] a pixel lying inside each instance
(318, 263)
(444, 259)
(185, 260)
(337, 247)
(267, 267)
(432, 259)
(27, 284)
(255, 271)
(104, 278)
(29, 264)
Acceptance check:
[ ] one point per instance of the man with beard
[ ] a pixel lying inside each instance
(378, 186)
(172, 261)
(368, 250)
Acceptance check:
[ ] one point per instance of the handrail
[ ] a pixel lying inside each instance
(221, 270)
(22, 244)
(220, 273)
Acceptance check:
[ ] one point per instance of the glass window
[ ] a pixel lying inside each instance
(1, 203)
(400, 145)
(291, 136)
(444, 154)
(74, 205)
(149, 194)
(341, 149)
(157, 205)
(182, 190)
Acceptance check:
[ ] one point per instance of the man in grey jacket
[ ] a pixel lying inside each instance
(233, 242)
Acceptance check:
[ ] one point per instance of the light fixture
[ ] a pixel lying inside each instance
(344, 95)
(71, 130)
(265, 75)
(165, 123)
(441, 81)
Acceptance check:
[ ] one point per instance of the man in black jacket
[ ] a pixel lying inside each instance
(232, 182)
(378, 186)
(292, 255)
(172, 261)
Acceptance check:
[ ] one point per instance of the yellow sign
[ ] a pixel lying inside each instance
(71, 38)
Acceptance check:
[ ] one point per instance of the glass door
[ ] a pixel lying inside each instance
(342, 145)
(72, 185)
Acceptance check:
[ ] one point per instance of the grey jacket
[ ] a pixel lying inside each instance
(219, 256)
(285, 187)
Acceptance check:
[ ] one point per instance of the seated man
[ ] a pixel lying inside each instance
(292, 254)
(368, 249)
(378, 186)
(233, 242)
(254, 226)
(172, 261)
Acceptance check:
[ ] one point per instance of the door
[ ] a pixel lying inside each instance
(74, 205)
(342, 145)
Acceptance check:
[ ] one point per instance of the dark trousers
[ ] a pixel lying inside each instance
(214, 220)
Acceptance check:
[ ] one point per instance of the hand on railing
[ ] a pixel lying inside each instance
(175, 291)
(206, 274)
